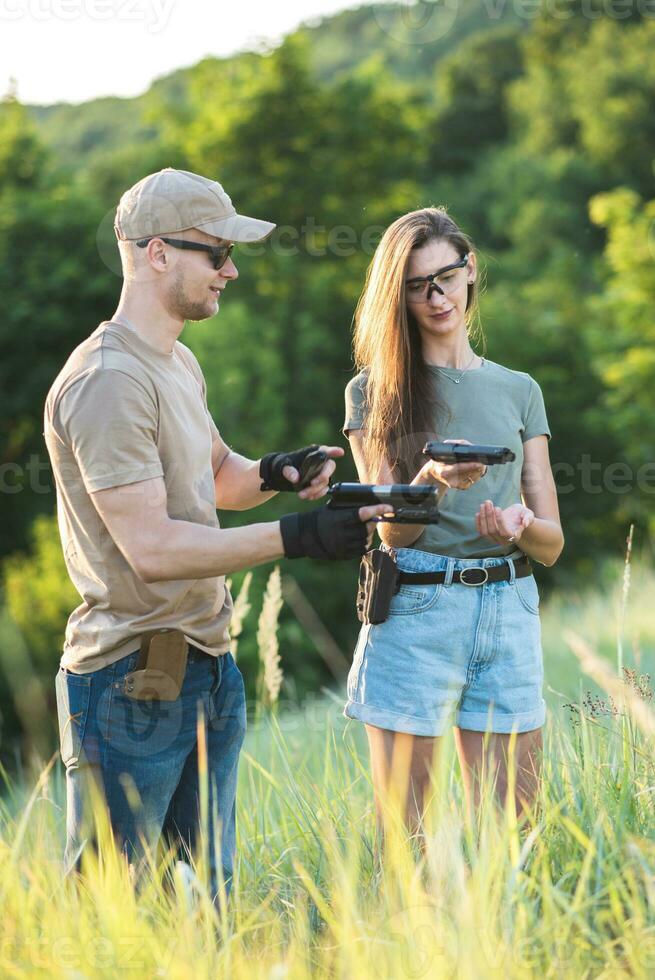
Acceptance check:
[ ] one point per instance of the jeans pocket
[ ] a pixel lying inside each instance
(73, 698)
(528, 593)
(140, 729)
(227, 708)
(414, 599)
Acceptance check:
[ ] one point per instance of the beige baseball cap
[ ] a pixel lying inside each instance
(174, 200)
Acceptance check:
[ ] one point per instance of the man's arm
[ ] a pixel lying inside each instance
(237, 480)
(161, 549)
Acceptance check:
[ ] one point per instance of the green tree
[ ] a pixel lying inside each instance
(329, 166)
(470, 87)
(55, 288)
(623, 336)
(39, 594)
(22, 156)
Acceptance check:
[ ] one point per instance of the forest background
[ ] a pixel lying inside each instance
(534, 124)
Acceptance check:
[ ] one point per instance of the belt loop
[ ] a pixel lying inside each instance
(449, 572)
(512, 571)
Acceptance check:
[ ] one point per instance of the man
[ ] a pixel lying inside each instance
(140, 469)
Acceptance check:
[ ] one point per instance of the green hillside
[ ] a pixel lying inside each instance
(408, 42)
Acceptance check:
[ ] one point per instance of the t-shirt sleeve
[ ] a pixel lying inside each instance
(109, 421)
(355, 404)
(535, 422)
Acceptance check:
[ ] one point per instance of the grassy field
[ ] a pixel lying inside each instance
(573, 896)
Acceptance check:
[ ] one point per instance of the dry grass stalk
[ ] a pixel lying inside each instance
(597, 668)
(624, 597)
(241, 610)
(267, 641)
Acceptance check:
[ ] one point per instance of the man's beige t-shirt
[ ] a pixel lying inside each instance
(118, 413)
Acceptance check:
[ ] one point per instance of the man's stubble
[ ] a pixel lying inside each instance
(181, 305)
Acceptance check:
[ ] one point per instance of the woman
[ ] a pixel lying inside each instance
(449, 649)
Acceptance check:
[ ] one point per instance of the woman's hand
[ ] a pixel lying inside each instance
(503, 526)
(456, 476)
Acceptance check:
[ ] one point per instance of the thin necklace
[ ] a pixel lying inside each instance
(457, 380)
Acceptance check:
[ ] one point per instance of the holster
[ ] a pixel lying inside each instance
(161, 667)
(379, 580)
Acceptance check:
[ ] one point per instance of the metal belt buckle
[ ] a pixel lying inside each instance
(476, 571)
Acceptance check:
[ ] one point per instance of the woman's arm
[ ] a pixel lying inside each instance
(393, 535)
(445, 476)
(534, 526)
(543, 540)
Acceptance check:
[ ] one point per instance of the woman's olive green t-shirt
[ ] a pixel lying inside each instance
(491, 405)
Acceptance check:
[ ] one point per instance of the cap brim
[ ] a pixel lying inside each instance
(238, 228)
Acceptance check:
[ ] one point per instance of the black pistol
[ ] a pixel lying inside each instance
(448, 452)
(412, 504)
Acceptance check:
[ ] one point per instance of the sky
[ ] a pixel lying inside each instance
(75, 50)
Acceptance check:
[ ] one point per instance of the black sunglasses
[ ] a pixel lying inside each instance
(219, 253)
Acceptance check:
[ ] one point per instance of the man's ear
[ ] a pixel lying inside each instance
(157, 254)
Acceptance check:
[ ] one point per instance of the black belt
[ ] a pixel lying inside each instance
(475, 575)
(195, 654)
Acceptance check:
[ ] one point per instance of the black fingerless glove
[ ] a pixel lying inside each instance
(324, 533)
(271, 466)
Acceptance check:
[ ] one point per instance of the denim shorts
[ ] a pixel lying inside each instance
(452, 654)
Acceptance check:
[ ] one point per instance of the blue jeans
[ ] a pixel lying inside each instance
(123, 745)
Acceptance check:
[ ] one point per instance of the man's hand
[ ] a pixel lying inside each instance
(283, 478)
(330, 534)
(503, 526)
(319, 485)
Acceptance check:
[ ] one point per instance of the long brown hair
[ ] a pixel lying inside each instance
(402, 402)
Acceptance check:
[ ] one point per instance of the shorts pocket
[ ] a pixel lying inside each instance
(414, 599)
(528, 593)
(73, 697)
(352, 683)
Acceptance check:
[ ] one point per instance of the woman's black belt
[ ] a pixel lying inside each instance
(475, 575)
